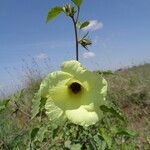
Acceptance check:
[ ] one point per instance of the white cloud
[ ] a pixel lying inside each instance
(41, 56)
(94, 25)
(88, 54)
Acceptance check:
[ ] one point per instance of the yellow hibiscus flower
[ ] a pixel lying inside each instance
(74, 93)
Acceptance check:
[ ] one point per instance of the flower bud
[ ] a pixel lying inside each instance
(85, 42)
(69, 10)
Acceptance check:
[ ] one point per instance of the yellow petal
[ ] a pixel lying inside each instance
(64, 98)
(52, 80)
(73, 67)
(84, 115)
(74, 93)
(53, 111)
(95, 87)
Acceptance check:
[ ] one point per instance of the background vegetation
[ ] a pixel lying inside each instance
(128, 91)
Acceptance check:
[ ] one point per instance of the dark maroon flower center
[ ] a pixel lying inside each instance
(75, 87)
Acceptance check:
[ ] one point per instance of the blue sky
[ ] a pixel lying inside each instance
(120, 31)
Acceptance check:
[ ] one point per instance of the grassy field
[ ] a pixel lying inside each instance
(128, 90)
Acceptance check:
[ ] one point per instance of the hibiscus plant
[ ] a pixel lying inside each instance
(71, 107)
(73, 12)
(72, 91)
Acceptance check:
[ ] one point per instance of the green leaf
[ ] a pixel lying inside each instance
(76, 147)
(106, 137)
(148, 139)
(78, 24)
(68, 144)
(113, 111)
(98, 139)
(36, 102)
(103, 146)
(84, 24)
(34, 133)
(77, 2)
(55, 131)
(123, 131)
(42, 103)
(40, 134)
(3, 104)
(107, 72)
(92, 144)
(85, 35)
(53, 12)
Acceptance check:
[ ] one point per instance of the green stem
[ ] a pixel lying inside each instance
(78, 15)
(76, 38)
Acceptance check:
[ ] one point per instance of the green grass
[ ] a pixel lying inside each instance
(129, 90)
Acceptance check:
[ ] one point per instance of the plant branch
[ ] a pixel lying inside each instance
(78, 14)
(76, 38)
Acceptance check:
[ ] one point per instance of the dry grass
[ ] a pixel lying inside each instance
(129, 89)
